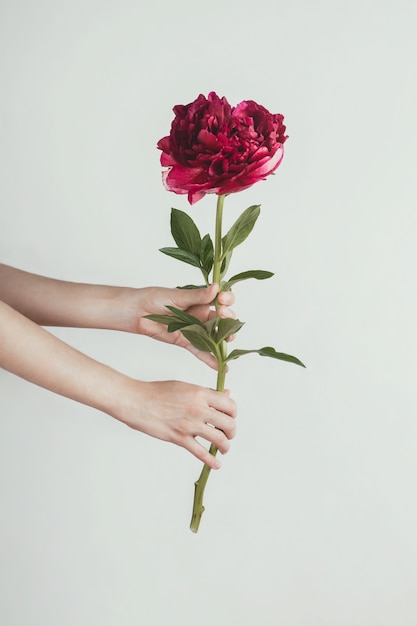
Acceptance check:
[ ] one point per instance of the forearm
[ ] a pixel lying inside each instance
(169, 410)
(36, 355)
(51, 302)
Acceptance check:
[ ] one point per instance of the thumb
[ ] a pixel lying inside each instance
(185, 298)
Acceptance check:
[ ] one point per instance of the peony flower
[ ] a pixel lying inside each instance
(216, 148)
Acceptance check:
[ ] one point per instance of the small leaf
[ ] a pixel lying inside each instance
(182, 255)
(174, 326)
(267, 351)
(199, 338)
(185, 232)
(179, 320)
(211, 326)
(161, 319)
(185, 317)
(206, 254)
(172, 321)
(241, 228)
(191, 286)
(258, 274)
(227, 327)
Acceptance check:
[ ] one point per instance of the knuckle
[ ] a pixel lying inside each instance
(182, 427)
(199, 397)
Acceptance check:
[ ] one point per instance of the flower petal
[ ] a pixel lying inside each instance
(267, 166)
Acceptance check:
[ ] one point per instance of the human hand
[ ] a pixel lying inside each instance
(172, 411)
(196, 302)
(179, 412)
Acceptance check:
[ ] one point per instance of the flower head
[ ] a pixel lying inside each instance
(216, 148)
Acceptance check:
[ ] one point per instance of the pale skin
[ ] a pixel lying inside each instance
(173, 411)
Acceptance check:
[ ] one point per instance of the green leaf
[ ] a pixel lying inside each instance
(227, 327)
(161, 319)
(199, 338)
(175, 325)
(191, 286)
(172, 321)
(185, 232)
(206, 253)
(211, 326)
(258, 274)
(267, 351)
(185, 317)
(182, 255)
(177, 321)
(241, 228)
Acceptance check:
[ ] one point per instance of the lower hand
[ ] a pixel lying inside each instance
(179, 412)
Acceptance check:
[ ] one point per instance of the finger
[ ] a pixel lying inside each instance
(223, 403)
(185, 298)
(216, 437)
(224, 311)
(226, 297)
(205, 357)
(199, 451)
(224, 424)
(203, 312)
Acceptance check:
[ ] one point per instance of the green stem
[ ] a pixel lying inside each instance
(218, 241)
(200, 484)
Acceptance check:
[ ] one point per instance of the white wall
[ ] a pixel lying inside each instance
(311, 521)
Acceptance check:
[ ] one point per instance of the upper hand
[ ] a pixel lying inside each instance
(196, 302)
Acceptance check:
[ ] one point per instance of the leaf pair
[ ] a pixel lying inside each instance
(206, 336)
(199, 251)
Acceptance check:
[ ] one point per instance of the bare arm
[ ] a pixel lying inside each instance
(172, 411)
(51, 302)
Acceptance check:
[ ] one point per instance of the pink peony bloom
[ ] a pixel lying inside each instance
(216, 148)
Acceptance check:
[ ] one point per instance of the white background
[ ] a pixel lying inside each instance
(312, 519)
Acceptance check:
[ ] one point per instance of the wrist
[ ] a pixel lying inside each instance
(126, 401)
(115, 308)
